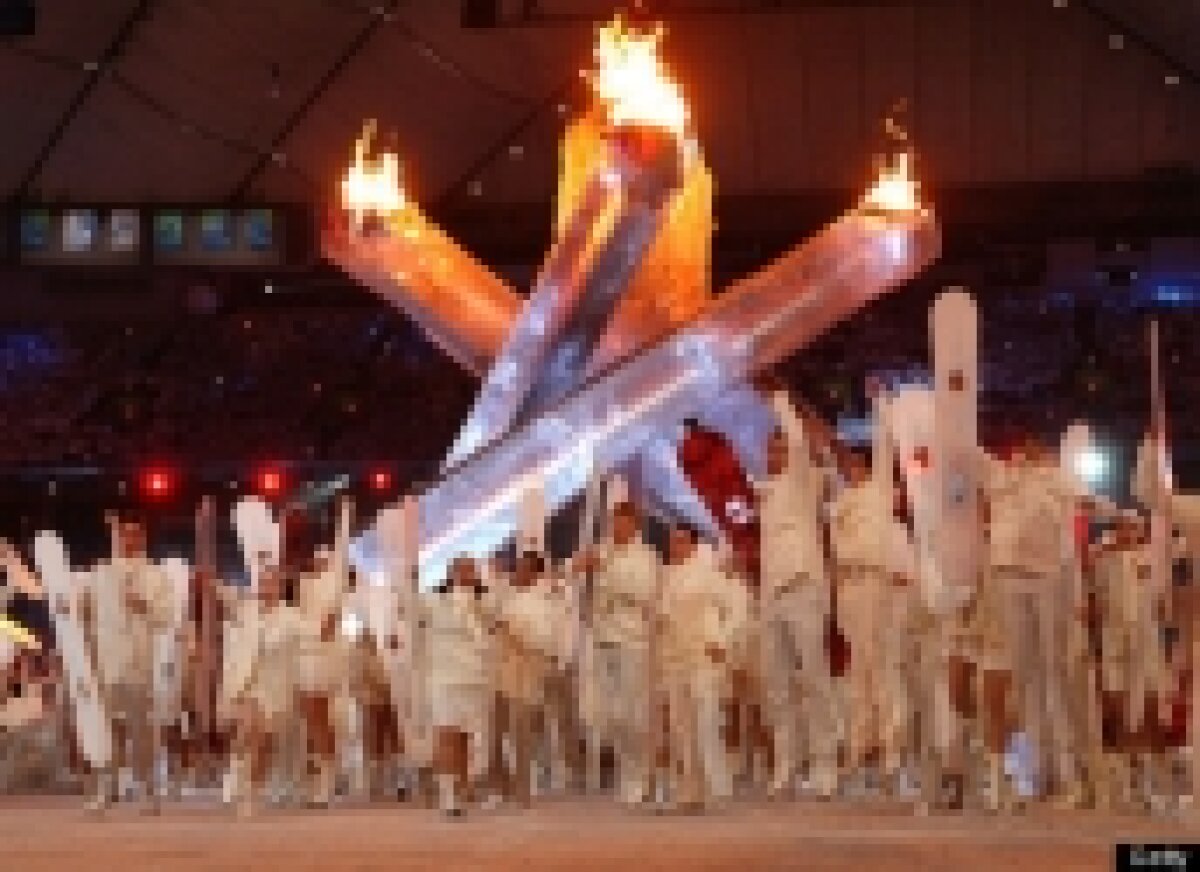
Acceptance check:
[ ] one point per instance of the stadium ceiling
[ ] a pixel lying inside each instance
(207, 100)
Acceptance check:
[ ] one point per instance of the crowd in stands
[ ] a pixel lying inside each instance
(358, 384)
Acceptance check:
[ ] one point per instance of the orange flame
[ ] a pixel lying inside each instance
(371, 185)
(632, 82)
(895, 190)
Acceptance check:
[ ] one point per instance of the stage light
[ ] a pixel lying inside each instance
(381, 480)
(269, 482)
(157, 483)
(1092, 466)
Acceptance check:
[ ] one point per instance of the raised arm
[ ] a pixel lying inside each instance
(20, 576)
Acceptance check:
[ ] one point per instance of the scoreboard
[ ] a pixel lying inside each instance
(160, 235)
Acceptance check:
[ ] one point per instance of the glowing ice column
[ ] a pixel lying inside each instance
(476, 507)
(580, 285)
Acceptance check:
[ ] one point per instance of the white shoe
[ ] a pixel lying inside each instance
(783, 780)
(323, 786)
(101, 797)
(825, 782)
(448, 801)
(633, 793)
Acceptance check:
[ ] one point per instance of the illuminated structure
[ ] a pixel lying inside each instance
(619, 340)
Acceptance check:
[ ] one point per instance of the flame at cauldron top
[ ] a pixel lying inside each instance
(371, 185)
(632, 82)
(895, 190)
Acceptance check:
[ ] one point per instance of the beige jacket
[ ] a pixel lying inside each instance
(529, 633)
(789, 508)
(260, 654)
(458, 644)
(124, 639)
(861, 521)
(1027, 529)
(702, 607)
(624, 590)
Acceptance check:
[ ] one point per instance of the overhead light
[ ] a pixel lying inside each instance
(1092, 465)
(268, 288)
(270, 482)
(1060, 4)
(1116, 41)
(475, 189)
(157, 483)
(1171, 80)
(381, 480)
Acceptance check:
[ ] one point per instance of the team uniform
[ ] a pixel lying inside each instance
(795, 601)
(1029, 559)
(704, 610)
(459, 651)
(122, 639)
(617, 704)
(529, 640)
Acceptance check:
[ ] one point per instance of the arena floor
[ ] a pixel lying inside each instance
(575, 835)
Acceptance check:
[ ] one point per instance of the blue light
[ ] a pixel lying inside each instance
(1173, 295)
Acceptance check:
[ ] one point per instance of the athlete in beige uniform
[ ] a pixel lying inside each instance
(794, 610)
(616, 702)
(127, 601)
(1028, 500)
(460, 649)
(703, 611)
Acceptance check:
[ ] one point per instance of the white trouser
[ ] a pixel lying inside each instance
(1133, 665)
(796, 677)
(694, 699)
(466, 707)
(619, 712)
(1034, 609)
(859, 616)
(898, 669)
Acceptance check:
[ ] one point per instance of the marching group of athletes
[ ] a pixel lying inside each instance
(663, 676)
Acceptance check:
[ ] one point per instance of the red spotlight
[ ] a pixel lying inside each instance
(381, 480)
(269, 482)
(157, 483)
